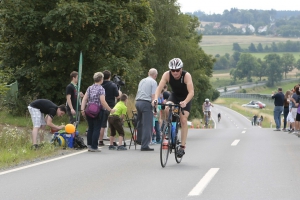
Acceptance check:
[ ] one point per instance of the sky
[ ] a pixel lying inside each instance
(218, 6)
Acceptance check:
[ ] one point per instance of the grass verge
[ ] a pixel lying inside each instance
(236, 104)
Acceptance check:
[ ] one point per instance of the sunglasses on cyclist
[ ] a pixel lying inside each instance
(175, 70)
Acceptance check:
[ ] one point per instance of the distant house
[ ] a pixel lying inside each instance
(216, 26)
(247, 26)
(225, 27)
(262, 29)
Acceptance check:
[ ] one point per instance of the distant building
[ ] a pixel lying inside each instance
(262, 29)
(247, 26)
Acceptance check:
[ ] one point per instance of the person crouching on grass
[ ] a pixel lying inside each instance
(116, 123)
(37, 109)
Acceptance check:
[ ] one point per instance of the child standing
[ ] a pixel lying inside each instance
(115, 121)
(156, 126)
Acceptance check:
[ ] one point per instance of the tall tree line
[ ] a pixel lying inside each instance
(41, 42)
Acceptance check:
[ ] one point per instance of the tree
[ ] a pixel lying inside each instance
(260, 69)
(288, 62)
(176, 36)
(222, 63)
(236, 47)
(236, 57)
(41, 41)
(267, 48)
(273, 68)
(245, 67)
(298, 64)
(260, 47)
(252, 48)
(274, 47)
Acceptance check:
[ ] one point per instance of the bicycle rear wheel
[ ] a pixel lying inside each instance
(177, 146)
(165, 144)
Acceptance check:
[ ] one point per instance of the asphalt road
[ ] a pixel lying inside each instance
(234, 161)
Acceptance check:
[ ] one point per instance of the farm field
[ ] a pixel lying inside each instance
(221, 44)
(222, 78)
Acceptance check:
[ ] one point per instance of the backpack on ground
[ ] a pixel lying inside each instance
(79, 142)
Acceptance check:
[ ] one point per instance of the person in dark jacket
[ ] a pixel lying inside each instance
(111, 94)
(278, 109)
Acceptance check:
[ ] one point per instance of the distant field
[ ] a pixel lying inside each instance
(221, 44)
(262, 55)
(221, 78)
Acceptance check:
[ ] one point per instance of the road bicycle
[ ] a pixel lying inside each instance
(206, 119)
(171, 140)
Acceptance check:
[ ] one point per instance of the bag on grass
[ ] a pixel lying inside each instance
(79, 142)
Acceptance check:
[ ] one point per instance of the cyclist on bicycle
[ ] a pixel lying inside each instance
(206, 107)
(219, 117)
(182, 93)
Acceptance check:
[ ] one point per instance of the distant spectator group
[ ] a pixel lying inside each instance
(287, 104)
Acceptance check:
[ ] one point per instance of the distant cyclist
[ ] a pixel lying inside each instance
(219, 117)
(206, 107)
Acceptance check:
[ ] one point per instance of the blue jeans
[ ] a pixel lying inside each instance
(157, 131)
(277, 113)
(94, 130)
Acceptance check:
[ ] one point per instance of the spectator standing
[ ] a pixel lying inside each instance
(116, 121)
(261, 120)
(286, 109)
(295, 98)
(71, 96)
(254, 120)
(297, 105)
(144, 97)
(37, 109)
(95, 94)
(111, 93)
(156, 125)
(278, 109)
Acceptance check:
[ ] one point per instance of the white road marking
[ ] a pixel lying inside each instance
(243, 131)
(201, 185)
(235, 142)
(40, 163)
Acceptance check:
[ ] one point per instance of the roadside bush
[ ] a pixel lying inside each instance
(17, 106)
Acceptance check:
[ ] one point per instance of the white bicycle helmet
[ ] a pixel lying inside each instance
(206, 100)
(175, 63)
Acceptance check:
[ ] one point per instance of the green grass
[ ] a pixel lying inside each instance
(236, 104)
(222, 81)
(222, 44)
(262, 55)
(269, 90)
(221, 49)
(15, 147)
(15, 140)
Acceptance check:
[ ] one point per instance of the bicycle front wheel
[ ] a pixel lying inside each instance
(177, 146)
(165, 145)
